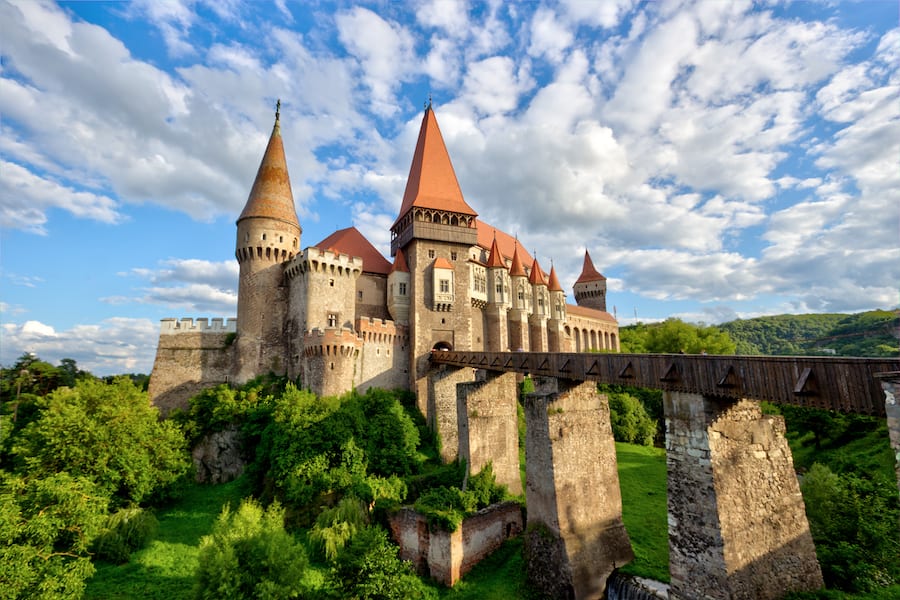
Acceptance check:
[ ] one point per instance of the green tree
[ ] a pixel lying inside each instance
(107, 433)
(630, 421)
(673, 336)
(46, 527)
(250, 555)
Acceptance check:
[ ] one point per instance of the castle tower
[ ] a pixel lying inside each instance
(537, 320)
(435, 230)
(496, 325)
(520, 301)
(398, 289)
(557, 321)
(590, 288)
(268, 235)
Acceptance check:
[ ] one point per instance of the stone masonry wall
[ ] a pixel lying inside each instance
(441, 407)
(488, 431)
(737, 524)
(384, 355)
(575, 535)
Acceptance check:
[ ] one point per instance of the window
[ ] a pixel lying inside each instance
(445, 286)
(264, 237)
(402, 286)
(499, 288)
(430, 253)
(453, 256)
(359, 295)
(331, 282)
(332, 320)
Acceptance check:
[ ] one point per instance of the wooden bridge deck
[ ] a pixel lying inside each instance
(834, 383)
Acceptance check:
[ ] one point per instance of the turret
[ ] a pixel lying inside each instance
(520, 304)
(398, 289)
(590, 288)
(557, 321)
(268, 235)
(537, 320)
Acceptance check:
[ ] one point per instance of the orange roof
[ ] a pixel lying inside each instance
(271, 195)
(591, 313)
(432, 181)
(536, 277)
(442, 263)
(400, 263)
(589, 272)
(554, 280)
(351, 241)
(505, 243)
(495, 259)
(515, 269)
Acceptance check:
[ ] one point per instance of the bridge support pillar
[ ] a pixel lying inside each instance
(488, 427)
(737, 523)
(441, 408)
(575, 536)
(890, 383)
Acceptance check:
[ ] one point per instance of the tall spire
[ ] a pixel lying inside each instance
(495, 259)
(432, 181)
(271, 195)
(589, 272)
(515, 269)
(554, 280)
(536, 277)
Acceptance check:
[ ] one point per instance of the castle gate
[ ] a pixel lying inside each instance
(737, 523)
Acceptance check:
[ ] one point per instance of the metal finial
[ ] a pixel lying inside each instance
(278, 109)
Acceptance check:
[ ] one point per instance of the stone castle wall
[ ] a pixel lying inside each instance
(190, 357)
(384, 355)
(330, 360)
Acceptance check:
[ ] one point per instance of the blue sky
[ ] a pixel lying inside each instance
(718, 159)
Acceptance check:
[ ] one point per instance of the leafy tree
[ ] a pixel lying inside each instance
(336, 526)
(674, 335)
(250, 555)
(46, 527)
(107, 433)
(369, 569)
(630, 421)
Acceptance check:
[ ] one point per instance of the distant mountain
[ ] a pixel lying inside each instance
(874, 333)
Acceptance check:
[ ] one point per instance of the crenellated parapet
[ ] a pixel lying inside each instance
(381, 332)
(341, 342)
(325, 262)
(172, 326)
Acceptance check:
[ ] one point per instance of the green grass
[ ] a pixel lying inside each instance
(501, 576)
(164, 570)
(642, 479)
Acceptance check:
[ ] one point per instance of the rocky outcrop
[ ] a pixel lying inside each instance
(218, 457)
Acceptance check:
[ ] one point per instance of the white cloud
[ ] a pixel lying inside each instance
(549, 37)
(191, 285)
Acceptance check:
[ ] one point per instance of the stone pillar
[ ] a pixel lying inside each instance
(575, 536)
(441, 413)
(537, 333)
(488, 428)
(518, 331)
(496, 334)
(890, 383)
(737, 523)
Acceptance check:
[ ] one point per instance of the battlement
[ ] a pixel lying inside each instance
(324, 261)
(173, 326)
(343, 342)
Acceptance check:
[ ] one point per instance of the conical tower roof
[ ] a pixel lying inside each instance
(271, 195)
(554, 280)
(589, 272)
(515, 269)
(399, 263)
(536, 277)
(495, 259)
(432, 181)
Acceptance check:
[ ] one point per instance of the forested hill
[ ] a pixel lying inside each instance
(873, 333)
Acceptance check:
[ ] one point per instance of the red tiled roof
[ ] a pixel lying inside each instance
(536, 277)
(442, 263)
(591, 313)
(432, 181)
(351, 241)
(589, 272)
(495, 259)
(271, 197)
(400, 263)
(515, 269)
(505, 242)
(554, 281)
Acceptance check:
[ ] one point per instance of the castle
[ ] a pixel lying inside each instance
(338, 315)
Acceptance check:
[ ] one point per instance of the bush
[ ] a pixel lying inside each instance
(250, 555)
(125, 531)
(630, 421)
(335, 526)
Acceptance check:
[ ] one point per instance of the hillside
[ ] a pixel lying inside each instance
(873, 333)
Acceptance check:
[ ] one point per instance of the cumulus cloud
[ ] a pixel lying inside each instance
(191, 285)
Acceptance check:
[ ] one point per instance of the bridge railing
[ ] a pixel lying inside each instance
(833, 383)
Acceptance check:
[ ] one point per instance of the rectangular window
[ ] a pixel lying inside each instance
(332, 320)
(359, 295)
(402, 288)
(445, 286)
(430, 253)
(453, 256)
(499, 288)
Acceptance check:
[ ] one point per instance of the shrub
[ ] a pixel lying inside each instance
(335, 526)
(250, 555)
(630, 421)
(125, 531)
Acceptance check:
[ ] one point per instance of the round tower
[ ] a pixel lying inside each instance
(268, 235)
(590, 288)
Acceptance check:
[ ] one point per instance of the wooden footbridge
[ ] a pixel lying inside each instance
(834, 383)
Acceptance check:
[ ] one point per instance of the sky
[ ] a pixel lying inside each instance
(719, 160)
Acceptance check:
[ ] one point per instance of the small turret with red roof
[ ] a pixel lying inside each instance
(590, 288)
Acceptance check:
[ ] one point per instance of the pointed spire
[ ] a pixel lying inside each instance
(271, 195)
(588, 271)
(399, 263)
(536, 277)
(554, 280)
(495, 259)
(432, 181)
(515, 269)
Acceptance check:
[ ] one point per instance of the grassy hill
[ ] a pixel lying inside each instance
(874, 333)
